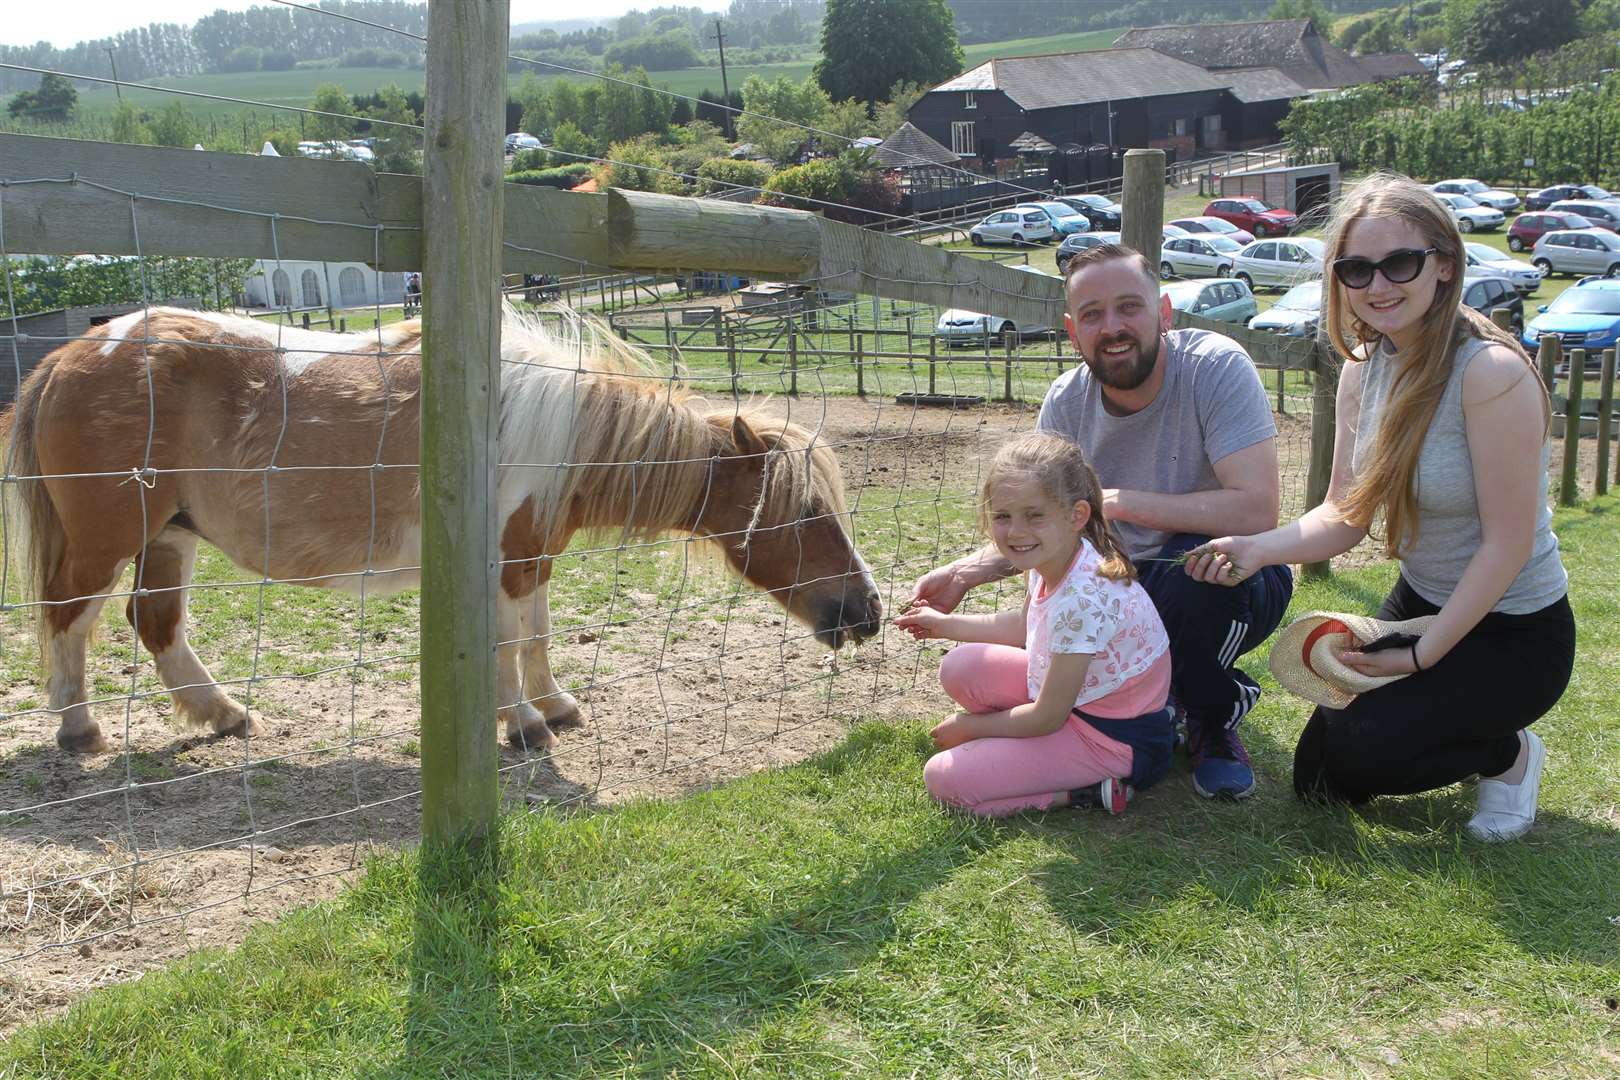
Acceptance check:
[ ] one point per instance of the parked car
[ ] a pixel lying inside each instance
(1586, 316)
(521, 140)
(1484, 258)
(1223, 300)
(1577, 251)
(1484, 194)
(1257, 217)
(1100, 210)
(1196, 225)
(1209, 255)
(1297, 314)
(1605, 215)
(1065, 219)
(1486, 291)
(1073, 245)
(1282, 263)
(1528, 227)
(1019, 227)
(1469, 215)
(959, 327)
(1540, 200)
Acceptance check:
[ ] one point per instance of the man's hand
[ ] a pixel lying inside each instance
(940, 589)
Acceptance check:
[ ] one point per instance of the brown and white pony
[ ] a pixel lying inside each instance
(161, 428)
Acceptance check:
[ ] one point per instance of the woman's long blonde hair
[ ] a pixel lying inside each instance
(1385, 482)
(1059, 468)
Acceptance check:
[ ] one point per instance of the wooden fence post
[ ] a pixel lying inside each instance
(1547, 355)
(793, 357)
(1007, 390)
(933, 359)
(1282, 375)
(860, 367)
(462, 222)
(1568, 488)
(1324, 425)
(1605, 405)
(1142, 203)
(731, 351)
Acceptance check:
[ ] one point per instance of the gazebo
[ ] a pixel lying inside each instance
(923, 161)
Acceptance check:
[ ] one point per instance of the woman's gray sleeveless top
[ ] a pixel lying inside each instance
(1448, 512)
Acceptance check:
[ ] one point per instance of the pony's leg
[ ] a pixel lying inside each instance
(526, 726)
(74, 597)
(560, 709)
(165, 569)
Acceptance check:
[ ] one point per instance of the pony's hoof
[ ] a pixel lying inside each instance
(536, 735)
(243, 727)
(570, 719)
(89, 741)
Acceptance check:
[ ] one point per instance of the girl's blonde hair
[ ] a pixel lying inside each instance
(1386, 479)
(1059, 468)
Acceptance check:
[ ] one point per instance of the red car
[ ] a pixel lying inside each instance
(1253, 215)
(1527, 228)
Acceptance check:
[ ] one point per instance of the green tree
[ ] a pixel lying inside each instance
(778, 113)
(569, 144)
(174, 126)
(639, 164)
(53, 101)
(892, 113)
(1303, 9)
(1501, 31)
(330, 98)
(847, 118)
(869, 45)
(128, 126)
(397, 149)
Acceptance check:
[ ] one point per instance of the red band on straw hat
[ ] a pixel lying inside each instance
(1322, 630)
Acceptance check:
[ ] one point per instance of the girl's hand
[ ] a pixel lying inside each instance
(954, 730)
(1226, 561)
(1384, 662)
(922, 620)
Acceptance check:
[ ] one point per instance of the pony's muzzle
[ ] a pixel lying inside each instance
(853, 616)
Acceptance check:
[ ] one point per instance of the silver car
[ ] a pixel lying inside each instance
(1209, 255)
(1282, 263)
(1525, 278)
(957, 326)
(1017, 227)
(1223, 301)
(1484, 194)
(1297, 314)
(1470, 215)
(1577, 251)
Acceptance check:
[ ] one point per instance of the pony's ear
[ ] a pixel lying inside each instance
(746, 438)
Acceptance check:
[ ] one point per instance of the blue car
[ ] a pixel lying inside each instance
(1584, 317)
(1065, 219)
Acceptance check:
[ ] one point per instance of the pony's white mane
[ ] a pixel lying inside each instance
(575, 394)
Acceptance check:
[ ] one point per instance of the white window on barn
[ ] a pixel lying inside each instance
(968, 101)
(352, 286)
(281, 288)
(962, 138)
(1212, 128)
(312, 288)
(1180, 127)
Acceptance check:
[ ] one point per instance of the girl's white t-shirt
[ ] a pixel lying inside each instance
(1113, 621)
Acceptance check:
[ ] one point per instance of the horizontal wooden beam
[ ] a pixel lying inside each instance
(70, 196)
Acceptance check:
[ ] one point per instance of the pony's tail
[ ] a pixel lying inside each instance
(34, 538)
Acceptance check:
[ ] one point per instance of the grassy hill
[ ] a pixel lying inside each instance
(296, 88)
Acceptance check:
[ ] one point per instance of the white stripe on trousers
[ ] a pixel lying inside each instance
(1234, 641)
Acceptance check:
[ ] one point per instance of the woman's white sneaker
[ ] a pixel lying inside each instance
(1506, 811)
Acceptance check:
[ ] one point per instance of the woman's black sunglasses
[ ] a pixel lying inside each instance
(1398, 267)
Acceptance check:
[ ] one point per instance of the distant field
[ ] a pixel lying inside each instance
(296, 88)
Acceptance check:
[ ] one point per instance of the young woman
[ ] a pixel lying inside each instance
(1064, 701)
(1442, 431)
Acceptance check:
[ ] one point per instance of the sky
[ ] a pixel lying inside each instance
(68, 21)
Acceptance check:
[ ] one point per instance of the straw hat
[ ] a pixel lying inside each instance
(1305, 659)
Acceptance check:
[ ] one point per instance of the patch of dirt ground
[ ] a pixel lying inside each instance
(113, 864)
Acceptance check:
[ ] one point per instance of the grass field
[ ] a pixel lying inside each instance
(828, 920)
(296, 88)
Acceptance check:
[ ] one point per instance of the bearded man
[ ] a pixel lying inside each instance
(1177, 425)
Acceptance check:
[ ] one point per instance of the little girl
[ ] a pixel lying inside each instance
(1064, 701)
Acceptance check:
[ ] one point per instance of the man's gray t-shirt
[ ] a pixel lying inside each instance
(1212, 404)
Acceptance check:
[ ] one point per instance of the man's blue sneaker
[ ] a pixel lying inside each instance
(1220, 764)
